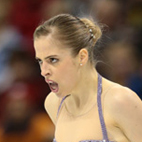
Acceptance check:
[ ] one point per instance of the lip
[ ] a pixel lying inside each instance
(48, 81)
(49, 84)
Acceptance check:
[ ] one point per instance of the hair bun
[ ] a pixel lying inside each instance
(93, 27)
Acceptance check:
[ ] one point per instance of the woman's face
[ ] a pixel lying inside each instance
(59, 68)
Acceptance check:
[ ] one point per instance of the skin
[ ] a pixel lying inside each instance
(121, 107)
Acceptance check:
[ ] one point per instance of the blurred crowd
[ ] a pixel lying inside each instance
(23, 90)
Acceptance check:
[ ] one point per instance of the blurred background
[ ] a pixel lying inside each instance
(23, 90)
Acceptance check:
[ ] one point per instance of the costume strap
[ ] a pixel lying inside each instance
(61, 104)
(99, 92)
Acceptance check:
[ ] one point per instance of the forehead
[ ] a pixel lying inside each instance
(47, 45)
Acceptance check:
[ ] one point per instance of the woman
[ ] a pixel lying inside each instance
(84, 106)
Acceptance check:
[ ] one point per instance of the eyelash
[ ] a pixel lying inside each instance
(39, 62)
(51, 60)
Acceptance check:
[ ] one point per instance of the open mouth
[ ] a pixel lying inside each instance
(53, 86)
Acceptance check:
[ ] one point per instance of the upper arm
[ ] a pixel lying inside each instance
(127, 112)
(51, 105)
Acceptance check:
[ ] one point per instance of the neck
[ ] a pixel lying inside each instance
(84, 96)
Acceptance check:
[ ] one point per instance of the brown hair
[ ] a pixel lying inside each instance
(76, 32)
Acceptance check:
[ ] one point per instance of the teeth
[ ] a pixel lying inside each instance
(50, 81)
(53, 85)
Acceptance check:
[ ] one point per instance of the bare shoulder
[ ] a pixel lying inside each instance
(123, 97)
(125, 107)
(51, 105)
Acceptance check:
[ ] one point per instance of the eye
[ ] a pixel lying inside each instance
(39, 61)
(53, 60)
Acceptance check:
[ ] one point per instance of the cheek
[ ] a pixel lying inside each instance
(68, 73)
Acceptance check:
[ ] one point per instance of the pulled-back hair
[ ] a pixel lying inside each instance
(75, 32)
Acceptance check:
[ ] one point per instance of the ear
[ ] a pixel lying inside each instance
(83, 56)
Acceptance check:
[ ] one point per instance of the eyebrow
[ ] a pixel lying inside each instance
(51, 56)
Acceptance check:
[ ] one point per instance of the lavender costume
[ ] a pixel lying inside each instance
(103, 126)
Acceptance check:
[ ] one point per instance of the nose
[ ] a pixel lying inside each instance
(45, 70)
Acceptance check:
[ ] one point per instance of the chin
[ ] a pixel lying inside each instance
(61, 95)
